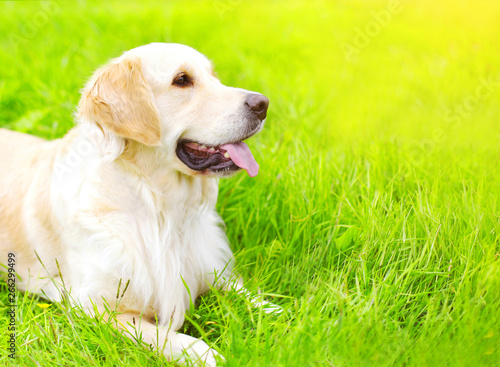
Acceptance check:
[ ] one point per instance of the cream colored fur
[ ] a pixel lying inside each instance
(112, 202)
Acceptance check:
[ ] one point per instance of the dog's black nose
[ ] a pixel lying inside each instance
(258, 104)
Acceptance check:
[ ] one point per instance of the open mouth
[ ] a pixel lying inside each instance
(227, 157)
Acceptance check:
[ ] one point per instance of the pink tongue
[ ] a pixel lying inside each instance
(242, 156)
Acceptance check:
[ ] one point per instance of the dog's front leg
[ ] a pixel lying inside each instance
(175, 346)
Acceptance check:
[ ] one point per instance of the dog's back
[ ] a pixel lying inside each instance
(12, 145)
(25, 174)
(17, 151)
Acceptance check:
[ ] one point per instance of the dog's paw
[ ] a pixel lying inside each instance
(271, 308)
(257, 301)
(190, 351)
(204, 355)
(267, 307)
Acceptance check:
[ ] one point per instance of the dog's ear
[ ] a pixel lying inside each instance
(119, 98)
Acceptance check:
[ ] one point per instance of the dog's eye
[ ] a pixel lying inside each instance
(182, 80)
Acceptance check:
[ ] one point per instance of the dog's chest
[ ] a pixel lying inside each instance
(167, 244)
(181, 262)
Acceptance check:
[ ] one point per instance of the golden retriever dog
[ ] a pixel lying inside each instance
(129, 194)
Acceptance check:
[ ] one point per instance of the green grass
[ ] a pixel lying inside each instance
(390, 141)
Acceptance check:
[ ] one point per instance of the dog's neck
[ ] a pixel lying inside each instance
(151, 165)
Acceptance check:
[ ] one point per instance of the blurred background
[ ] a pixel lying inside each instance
(384, 116)
(337, 68)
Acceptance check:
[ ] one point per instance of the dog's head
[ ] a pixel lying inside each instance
(166, 96)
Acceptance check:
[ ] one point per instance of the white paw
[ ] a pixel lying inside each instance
(272, 308)
(267, 307)
(258, 302)
(192, 352)
(202, 355)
